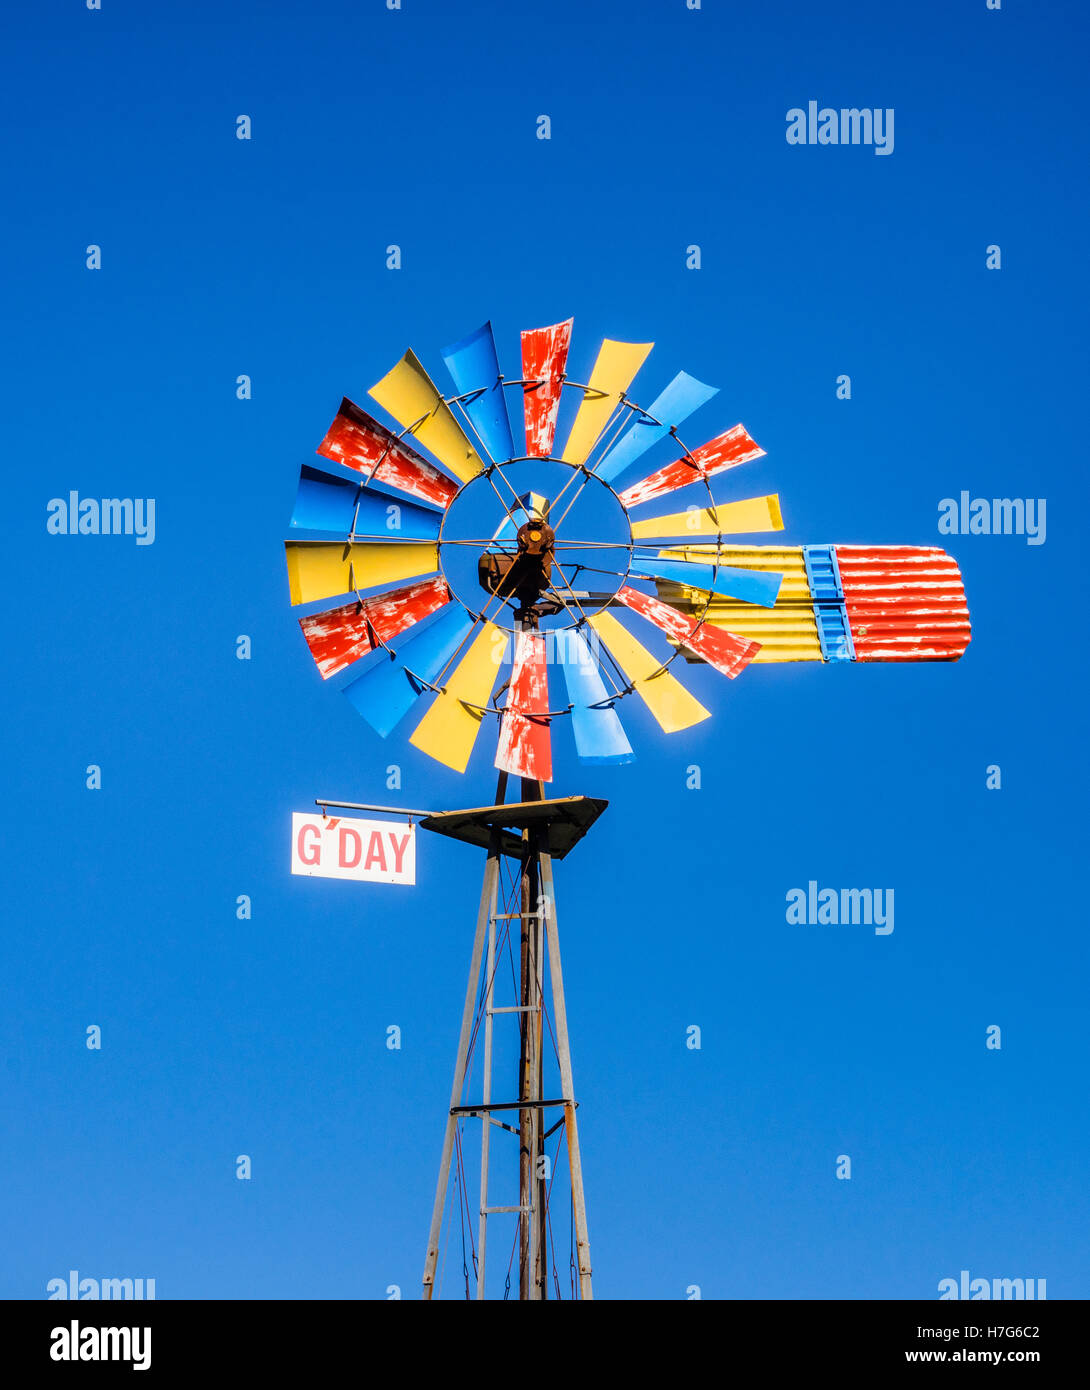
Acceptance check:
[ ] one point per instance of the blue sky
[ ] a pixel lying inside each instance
(267, 257)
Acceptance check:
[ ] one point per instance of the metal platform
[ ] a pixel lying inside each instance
(564, 822)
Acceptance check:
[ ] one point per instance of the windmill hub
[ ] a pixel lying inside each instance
(525, 575)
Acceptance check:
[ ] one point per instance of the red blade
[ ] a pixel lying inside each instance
(544, 357)
(359, 441)
(342, 635)
(726, 450)
(525, 748)
(726, 651)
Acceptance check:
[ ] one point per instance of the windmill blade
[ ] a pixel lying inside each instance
(750, 586)
(412, 398)
(667, 699)
(449, 730)
(340, 636)
(325, 502)
(727, 450)
(613, 372)
(386, 691)
(324, 569)
(749, 515)
(359, 441)
(726, 651)
(525, 745)
(544, 359)
(683, 395)
(599, 737)
(474, 366)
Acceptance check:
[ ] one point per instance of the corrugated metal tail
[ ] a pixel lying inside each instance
(904, 603)
(839, 602)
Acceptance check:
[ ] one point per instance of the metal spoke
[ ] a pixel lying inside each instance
(567, 608)
(482, 617)
(457, 400)
(560, 545)
(596, 569)
(575, 474)
(514, 494)
(617, 424)
(487, 541)
(578, 493)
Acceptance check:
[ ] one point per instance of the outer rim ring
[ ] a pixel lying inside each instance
(494, 464)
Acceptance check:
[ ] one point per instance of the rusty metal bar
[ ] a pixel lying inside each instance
(560, 1016)
(359, 806)
(507, 1105)
(486, 1129)
(487, 907)
(527, 1075)
(540, 1271)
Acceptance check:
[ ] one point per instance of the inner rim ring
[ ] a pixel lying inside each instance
(627, 546)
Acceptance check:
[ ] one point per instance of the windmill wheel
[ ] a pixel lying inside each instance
(453, 565)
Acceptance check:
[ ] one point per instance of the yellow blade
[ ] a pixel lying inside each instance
(666, 698)
(787, 632)
(449, 730)
(323, 569)
(730, 519)
(617, 364)
(408, 393)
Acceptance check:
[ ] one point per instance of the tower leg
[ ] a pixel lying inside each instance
(484, 915)
(486, 1096)
(531, 1250)
(539, 1271)
(560, 1015)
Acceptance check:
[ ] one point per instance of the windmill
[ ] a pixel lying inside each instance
(429, 617)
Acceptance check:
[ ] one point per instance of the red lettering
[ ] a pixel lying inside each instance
(344, 862)
(301, 848)
(375, 853)
(399, 849)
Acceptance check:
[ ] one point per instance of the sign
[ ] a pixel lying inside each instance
(372, 851)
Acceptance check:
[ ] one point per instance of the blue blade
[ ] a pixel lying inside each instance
(474, 366)
(684, 395)
(384, 694)
(599, 737)
(325, 502)
(748, 586)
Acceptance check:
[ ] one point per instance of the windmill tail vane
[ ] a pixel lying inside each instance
(592, 579)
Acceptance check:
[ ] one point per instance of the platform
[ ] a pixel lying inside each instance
(565, 821)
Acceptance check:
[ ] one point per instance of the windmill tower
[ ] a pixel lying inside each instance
(437, 595)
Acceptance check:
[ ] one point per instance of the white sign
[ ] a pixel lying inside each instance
(373, 851)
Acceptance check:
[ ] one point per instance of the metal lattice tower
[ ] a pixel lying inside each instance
(528, 834)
